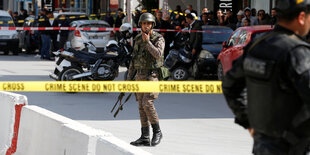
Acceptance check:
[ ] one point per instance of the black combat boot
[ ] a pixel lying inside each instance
(157, 135)
(144, 140)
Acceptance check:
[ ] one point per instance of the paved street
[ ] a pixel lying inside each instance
(191, 123)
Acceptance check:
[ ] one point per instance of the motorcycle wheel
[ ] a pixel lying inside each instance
(112, 77)
(220, 73)
(67, 73)
(180, 74)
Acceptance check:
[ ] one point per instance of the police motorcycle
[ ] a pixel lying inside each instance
(179, 61)
(87, 64)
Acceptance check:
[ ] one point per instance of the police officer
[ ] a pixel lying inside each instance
(147, 59)
(275, 70)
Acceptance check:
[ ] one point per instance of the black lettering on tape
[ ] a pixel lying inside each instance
(120, 88)
(171, 88)
(55, 87)
(128, 87)
(96, 87)
(185, 90)
(210, 88)
(192, 88)
(112, 87)
(22, 86)
(78, 87)
(13, 86)
(108, 87)
(219, 88)
(137, 87)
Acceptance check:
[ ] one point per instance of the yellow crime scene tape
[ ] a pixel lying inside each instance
(198, 87)
(91, 15)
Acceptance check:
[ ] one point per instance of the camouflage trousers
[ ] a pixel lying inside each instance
(147, 109)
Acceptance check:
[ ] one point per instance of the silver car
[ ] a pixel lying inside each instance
(77, 38)
(8, 38)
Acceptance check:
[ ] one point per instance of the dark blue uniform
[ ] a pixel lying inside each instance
(268, 89)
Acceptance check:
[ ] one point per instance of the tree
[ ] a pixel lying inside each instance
(150, 4)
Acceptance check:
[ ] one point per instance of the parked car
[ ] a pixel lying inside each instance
(211, 47)
(29, 40)
(8, 38)
(77, 38)
(65, 18)
(71, 15)
(233, 47)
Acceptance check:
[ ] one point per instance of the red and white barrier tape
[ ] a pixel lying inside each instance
(100, 29)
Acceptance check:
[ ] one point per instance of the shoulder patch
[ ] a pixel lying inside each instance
(300, 59)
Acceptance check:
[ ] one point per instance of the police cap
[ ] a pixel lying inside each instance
(291, 4)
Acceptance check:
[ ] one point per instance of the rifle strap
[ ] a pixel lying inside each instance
(119, 99)
(121, 105)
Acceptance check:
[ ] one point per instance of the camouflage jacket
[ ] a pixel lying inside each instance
(147, 55)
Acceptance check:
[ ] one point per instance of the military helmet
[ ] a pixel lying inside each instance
(147, 17)
(289, 4)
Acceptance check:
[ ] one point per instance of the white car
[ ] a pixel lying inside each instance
(8, 38)
(71, 15)
(77, 38)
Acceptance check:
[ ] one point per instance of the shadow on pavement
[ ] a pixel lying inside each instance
(97, 106)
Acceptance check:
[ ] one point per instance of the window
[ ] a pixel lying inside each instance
(257, 35)
(242, 37)
(6, 21)
(216, 38)
(233, 39)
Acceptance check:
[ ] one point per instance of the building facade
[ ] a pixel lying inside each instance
(52, 5)
(214, 5)
(102, 6)
(71, 5)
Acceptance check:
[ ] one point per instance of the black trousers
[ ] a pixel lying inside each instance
(266, 145)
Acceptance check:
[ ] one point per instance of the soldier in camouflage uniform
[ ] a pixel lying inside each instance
(147, 59)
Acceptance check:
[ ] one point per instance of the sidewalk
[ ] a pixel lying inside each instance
(186, 136)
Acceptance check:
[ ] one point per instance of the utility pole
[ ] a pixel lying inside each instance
(128, 10)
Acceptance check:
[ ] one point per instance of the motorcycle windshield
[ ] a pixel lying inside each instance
(171, 59)
(185, 53)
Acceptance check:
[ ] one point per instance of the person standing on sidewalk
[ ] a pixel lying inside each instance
(268, 87)
(148, 57)
(45, 36)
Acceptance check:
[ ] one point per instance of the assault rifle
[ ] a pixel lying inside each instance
(120, 98)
